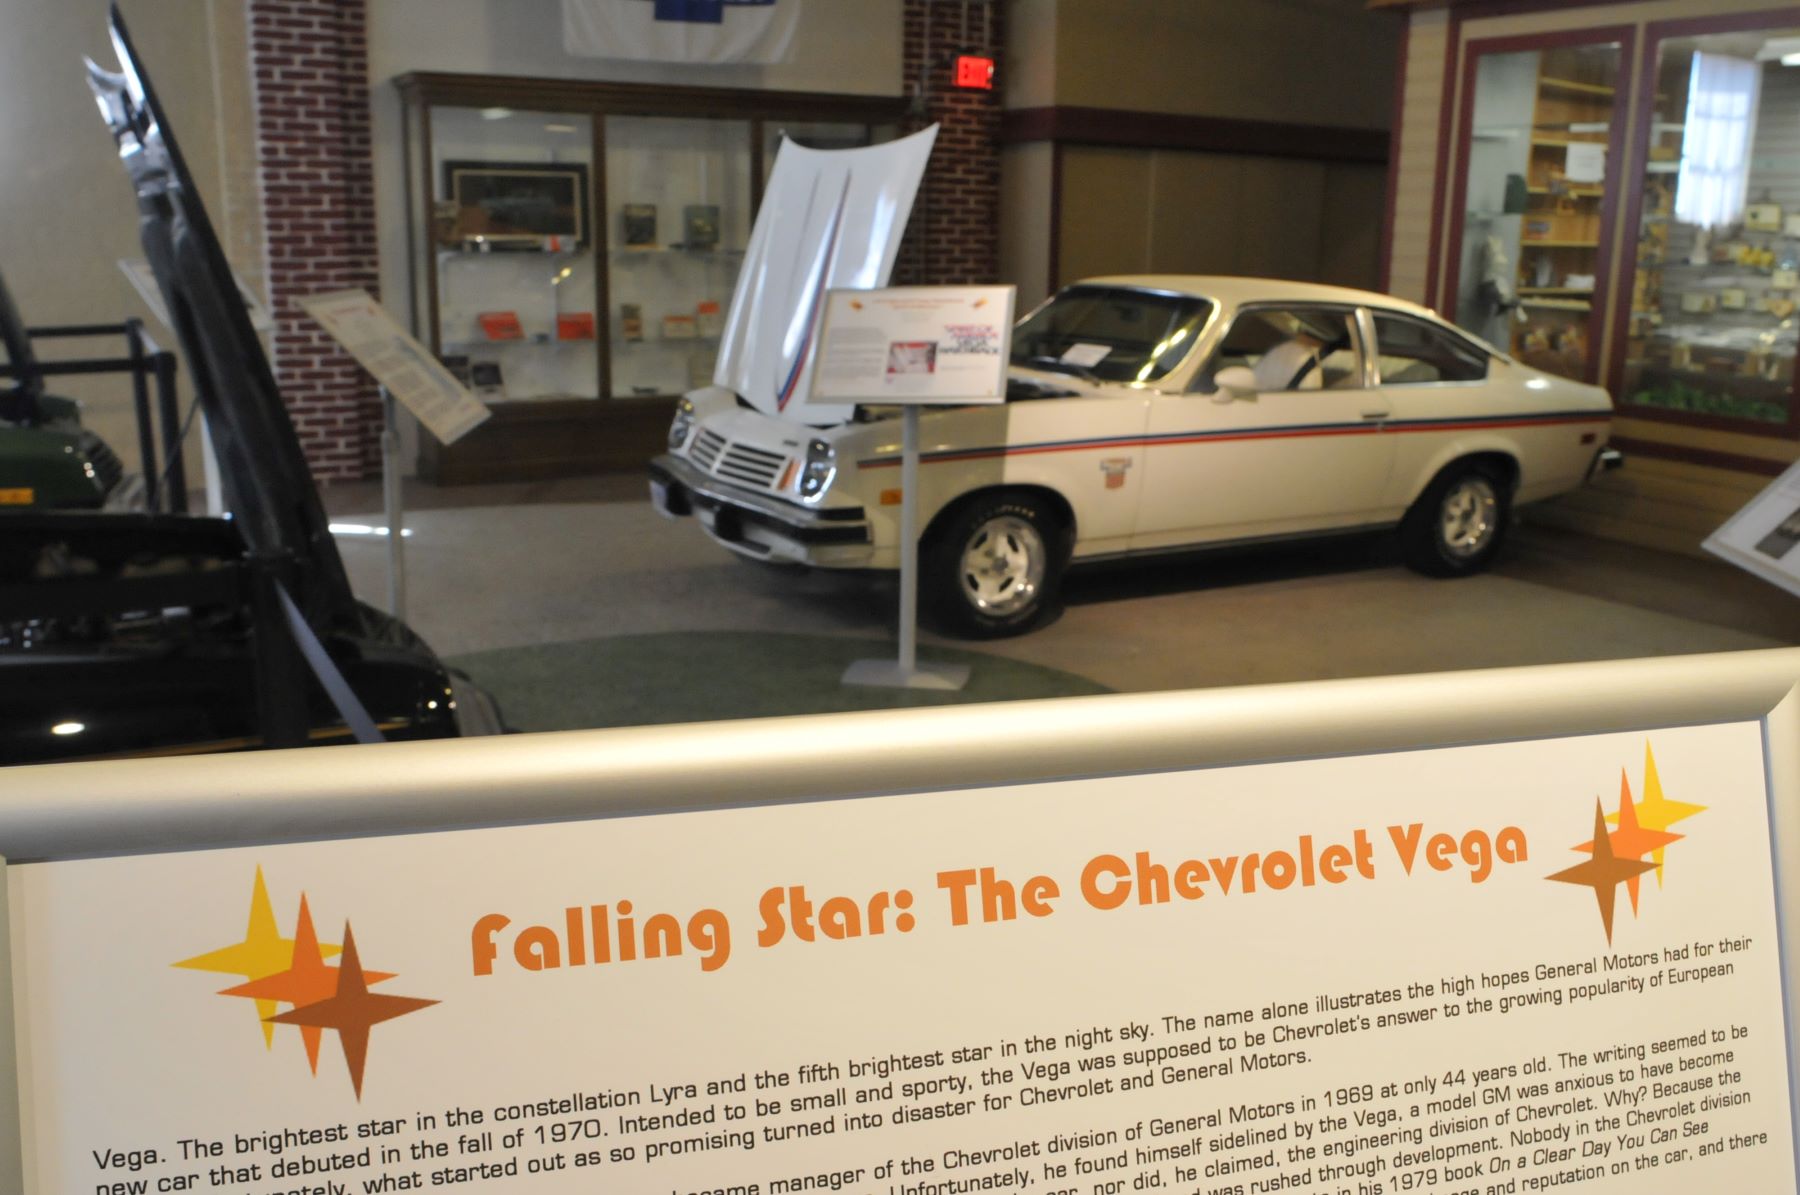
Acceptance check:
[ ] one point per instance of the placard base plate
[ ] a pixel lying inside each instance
(890, 674)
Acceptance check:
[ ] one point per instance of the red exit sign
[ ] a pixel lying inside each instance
(975, 71)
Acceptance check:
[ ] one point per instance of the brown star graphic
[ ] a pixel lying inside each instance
(354, 1008)
(1632, 841)
(1603, 873)
(306, 982)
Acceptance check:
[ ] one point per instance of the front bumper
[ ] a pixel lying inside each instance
(758, 525)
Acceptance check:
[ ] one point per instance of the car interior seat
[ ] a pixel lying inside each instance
(1291, 365)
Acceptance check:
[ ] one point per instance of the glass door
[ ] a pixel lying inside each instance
(1542, 126)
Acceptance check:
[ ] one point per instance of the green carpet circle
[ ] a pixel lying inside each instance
(706, 676)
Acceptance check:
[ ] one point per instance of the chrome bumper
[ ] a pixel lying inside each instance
(1606, 460)
(758, 525)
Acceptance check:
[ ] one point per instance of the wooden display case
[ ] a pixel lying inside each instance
(572, 246)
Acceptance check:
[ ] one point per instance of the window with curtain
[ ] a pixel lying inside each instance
(1723, 92)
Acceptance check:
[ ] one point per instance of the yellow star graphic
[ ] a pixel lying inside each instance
(1655, 811)
(262, 953)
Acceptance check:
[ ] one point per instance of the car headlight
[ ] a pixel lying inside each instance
(682, 426)
(819, 469)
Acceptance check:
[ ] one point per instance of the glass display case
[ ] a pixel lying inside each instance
(1711, 334)
(1542, 134)
(573, 248)
(514, 252)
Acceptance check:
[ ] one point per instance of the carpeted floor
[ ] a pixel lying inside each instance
(702, 676)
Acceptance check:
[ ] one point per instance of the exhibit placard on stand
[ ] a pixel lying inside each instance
(1761, 537)
(1435, 933)
(409, 374)
(913, 346)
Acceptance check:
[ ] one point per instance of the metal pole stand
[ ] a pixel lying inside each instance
(907, 672)
(390, 495)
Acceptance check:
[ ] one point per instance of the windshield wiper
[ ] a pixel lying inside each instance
(1061, 366)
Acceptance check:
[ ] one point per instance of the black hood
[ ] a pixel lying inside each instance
(268, 487)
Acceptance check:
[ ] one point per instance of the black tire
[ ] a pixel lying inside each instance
(1459, 522)
(994, 566)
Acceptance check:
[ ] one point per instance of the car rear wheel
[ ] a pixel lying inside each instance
(994, 568)
(1458, 523)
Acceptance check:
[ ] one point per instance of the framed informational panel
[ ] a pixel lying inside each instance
(1411, 934)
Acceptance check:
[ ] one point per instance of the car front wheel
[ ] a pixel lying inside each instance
(994, 568)
(1457, 524)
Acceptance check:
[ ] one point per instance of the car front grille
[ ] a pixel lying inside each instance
(736, 462)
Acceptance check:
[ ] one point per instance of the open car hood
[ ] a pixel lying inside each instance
(268, 487)
(829, 219)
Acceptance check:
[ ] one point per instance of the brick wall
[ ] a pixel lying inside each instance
(309, 59)
(953, 238)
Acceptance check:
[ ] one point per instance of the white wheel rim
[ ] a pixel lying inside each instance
(1003, 566)
(1468, 517)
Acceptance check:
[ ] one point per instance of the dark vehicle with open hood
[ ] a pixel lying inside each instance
(155, 633)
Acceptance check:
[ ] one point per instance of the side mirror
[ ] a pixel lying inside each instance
(1234, 383)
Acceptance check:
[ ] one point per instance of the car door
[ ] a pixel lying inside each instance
(1444, 401)
(1300, 450)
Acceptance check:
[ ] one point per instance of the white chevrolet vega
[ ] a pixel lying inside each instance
(1153, 414)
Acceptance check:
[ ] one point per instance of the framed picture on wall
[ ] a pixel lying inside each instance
(518, 199)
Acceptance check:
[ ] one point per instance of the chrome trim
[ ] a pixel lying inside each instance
(75, 810)
(705, 484)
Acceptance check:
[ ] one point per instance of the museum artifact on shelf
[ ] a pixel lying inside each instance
(575, 325)
(522, 201)
(638, 223)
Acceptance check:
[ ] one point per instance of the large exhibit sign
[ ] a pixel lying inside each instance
(1515, 966)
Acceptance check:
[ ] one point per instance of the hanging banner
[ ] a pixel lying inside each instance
(1511, 967)
(711, 31)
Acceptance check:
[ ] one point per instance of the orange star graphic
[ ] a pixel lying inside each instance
(352, 1010)
(263, 952)
(1630, 841)
(306, 982)
(1603, 873)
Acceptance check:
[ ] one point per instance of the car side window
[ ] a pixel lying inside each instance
(1410, 352)
(1290, 348)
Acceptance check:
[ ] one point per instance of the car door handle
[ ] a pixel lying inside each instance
(1375, 414)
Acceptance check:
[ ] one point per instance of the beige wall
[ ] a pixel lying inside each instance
(1025, 191)
(1297, 62)
(1327, 62)
(69, 213)
(1169, 211)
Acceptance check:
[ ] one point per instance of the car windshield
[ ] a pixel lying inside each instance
(1110, 334)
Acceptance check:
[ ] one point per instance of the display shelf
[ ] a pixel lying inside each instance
(1529, 244)
(1547, 83)
(446, 253)
(1556, 290)
(531, 342)
(651, 251)
(1557, 304)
